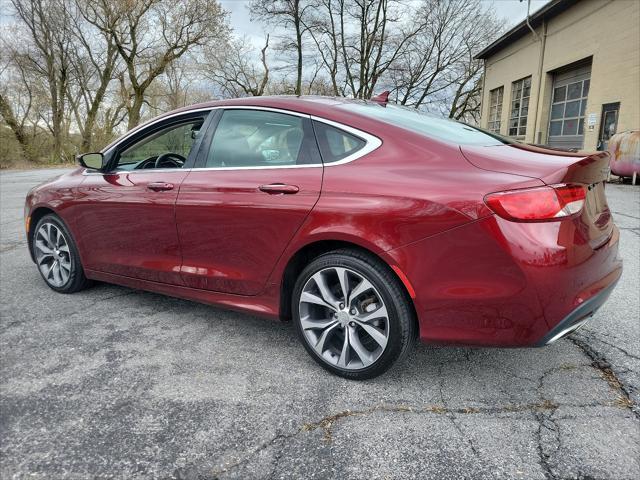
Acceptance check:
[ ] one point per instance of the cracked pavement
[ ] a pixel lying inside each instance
(117, 383)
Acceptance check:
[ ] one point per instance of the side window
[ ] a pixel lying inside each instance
(258, 138)
(336, 144)
(167, 148)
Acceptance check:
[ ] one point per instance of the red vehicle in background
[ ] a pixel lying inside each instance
(366, 224)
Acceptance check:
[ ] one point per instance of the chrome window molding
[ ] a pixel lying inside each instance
(371, 142)
(166, 170)
(135, 130)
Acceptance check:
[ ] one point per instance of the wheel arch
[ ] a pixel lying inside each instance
(308, 252)
(34, 218)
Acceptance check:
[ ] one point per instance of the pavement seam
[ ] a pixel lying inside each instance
(599, 362)
(326, 423)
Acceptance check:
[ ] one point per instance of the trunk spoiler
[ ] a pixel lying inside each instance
(594, 168)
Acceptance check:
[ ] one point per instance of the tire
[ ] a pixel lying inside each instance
(344, 333)
(54, 250)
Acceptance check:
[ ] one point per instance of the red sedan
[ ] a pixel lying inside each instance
(366, 224)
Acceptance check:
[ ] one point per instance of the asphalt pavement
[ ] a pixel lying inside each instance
(118, 383)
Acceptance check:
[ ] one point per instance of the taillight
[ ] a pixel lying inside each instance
(538, 204)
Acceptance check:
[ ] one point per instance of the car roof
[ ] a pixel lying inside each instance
(320, 106)
(307, 104)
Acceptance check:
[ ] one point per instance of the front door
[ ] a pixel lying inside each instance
(127, 218)
(252, 190)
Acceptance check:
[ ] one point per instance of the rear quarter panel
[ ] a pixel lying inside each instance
(408, 189)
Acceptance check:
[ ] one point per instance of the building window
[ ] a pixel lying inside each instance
(520, 92)
(495, 109)
(567, 109)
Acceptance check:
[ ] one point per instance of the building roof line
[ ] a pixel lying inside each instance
(548, 11)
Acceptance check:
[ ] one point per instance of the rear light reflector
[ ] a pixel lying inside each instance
(538, 204)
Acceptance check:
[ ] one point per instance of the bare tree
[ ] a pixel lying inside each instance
(379, 40)
(437, 69)
(287, 14)
(93, 62)
(465, 103)
(323, 28)
(48, 55)
(177, 84)
(150, 34)
(235, 71)
(16, 97)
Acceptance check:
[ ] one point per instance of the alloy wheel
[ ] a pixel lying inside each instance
(52, 254)
(344, 318)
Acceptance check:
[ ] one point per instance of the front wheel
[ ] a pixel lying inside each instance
(56, 256)
(352, 314)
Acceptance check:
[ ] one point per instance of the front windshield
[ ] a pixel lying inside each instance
(444, 129)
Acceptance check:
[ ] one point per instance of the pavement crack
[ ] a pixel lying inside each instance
(544, 420)
(327, 423)
(256, 451)
(599, 362)
(620, 349)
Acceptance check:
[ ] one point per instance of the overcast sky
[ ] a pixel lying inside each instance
(513, 11)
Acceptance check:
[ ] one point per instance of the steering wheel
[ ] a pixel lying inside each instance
(173, 159)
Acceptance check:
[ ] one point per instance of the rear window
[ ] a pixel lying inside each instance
(444, 129)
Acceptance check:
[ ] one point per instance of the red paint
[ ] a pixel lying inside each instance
(225, 237)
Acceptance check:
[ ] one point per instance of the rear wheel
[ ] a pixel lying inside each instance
(56, 256)
(352, 314)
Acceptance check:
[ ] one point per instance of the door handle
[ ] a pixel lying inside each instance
(279, 188)
(160, 186)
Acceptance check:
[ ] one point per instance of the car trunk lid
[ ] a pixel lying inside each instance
(556, 167)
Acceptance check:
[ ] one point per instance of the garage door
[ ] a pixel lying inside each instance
(568, 106)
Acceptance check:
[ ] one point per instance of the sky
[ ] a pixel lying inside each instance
(513, 11)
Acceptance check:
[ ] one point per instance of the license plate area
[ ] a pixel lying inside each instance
(596, 201)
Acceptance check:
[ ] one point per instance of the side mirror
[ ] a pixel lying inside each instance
(94, 161)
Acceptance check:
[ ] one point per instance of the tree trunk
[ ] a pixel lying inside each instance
(87, 133)
(135, 109)
(18, 131)
(299, 46)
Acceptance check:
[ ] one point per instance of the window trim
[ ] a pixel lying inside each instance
(189, 161)
(498, 118)
(207, 142)
(130, 138)
(371, 141)
(578, 118)
(520, 99)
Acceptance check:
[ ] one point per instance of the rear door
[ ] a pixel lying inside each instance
(258, 176)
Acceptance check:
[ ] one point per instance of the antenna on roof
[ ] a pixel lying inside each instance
(382, 99)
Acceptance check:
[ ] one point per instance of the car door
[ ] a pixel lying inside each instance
(127, 214)
(257, 179)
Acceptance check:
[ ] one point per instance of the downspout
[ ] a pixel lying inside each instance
(482, 102)
(536, 124)
(543, 42)
(528, 24)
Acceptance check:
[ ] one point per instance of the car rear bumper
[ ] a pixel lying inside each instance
(578, 317)
(498, 283)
